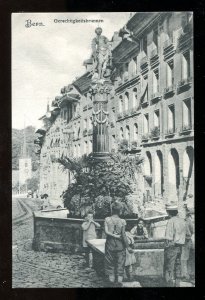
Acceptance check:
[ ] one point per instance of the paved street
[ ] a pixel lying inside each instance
(50, 270)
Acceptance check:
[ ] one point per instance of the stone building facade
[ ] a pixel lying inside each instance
(151, 108)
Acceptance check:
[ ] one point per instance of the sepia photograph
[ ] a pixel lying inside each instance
(103, 150)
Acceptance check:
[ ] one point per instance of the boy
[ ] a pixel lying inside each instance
(89, 233)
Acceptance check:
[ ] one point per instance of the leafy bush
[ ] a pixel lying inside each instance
(97, 184)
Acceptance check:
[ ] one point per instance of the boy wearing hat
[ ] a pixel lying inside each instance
(174, 239)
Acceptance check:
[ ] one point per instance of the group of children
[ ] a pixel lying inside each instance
(119, 256)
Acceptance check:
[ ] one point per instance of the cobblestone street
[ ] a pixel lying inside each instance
(32, 269)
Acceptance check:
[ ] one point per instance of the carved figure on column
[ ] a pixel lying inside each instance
(101, 55)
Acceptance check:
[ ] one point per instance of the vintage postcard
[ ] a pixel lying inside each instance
(103, 150)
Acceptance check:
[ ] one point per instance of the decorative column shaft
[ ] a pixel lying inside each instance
(100, 96)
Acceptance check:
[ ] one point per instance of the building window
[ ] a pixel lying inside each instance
(155, 81)
(135, 135)
(69, 113)
(171, 118)
(156, 119)
(126, 101)
(158, 176)
(85, 123)
(77, 108)
(144, 89)
(155, 37)
(132, 68)
(134, 98)
(90, 146)
(75, 151)
(125, 73)
(187, 113)
(148, 164)
(121, 133)
(170, 73)
(113, 141)
(85, 147)
(127, 133)
(66, 115)
(74, 110)
(90, 123)
(78, 133)
(146, 124)
(120, 104)
(143, 44)
(186, 65)
(79, 150)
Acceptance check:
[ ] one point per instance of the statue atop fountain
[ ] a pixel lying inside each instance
(101, 54)
(100, 90)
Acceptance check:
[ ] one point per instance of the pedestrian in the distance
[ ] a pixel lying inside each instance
(115, 246)
(174, 240)
(89, 233)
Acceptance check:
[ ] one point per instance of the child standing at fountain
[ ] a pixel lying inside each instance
(139, 231)
(89, 233)
(115, 246)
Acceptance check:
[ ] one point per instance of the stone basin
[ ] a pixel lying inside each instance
(52, 213)
(149, 261)
(55, 231)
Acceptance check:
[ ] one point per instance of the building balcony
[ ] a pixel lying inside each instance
(144, 103)
(85, 132)
(154, 53)
(119, 83)
(169, 91)
(144, 64)
(184, 85)
(148, 178)
(119, 115)
(185, 41)
(154, 58)
(186, 129)
(168, 49)
(135, 110)
(135, 147)
(112, 124)
(155, 97)
(155, 133)
(126, 76)
(145, 137)
(76, 116)
(170, 132)
(90, 105)
(90, 131)
(126, 113)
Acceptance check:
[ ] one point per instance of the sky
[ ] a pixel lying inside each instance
(46, 58)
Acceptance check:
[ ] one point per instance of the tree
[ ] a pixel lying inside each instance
(98, 184)
(17, 143)
(32, 184)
